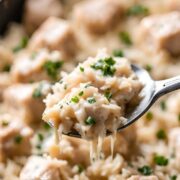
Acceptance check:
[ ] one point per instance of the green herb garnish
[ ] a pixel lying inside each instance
(65, 86)
(179, 117)
(163, 105)
(90, 121)
(6, 68)
(52, 68)
(125, 38)
(46, 126)
(149, 115)
(87, 85)
(174, 177)
(161, 134)
(80, 168)
(148, 67)
(38, 146)
(138, 10)
(81, 69)
(118, 53)
(22, 44)
(81, 93)
(18, 139)
(108, 95)
(31, 81)
(160, 160)
(33, 55)
(5, 123)
(37, 92)
(106, 66)
(40, 137)
(91, 100)
(145, 170)
(75, 99)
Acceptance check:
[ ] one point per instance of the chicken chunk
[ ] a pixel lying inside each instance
(37, 66)
(92, 98)
(45, 169)
(173, 5)
(14, 137)
(55, 34)
(98, 16)
(25, 100)
(161, 32)
(5, 81)
(74, 150)
(34, 17)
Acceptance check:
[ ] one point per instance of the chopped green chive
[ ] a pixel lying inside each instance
(149, 115)
(22, 44)
(148, 67)
(46, 126)
(138, 10)
(5, 123)
(87, 85)
(40, 137)
(161, 160)
(81, 93)
(75, 99)
(130, 164)
(91, 100)
(106, 65)
(174, 177)
(61, 81)
(65, 86)
(125, 38)
(161, 134)
(6, 68)
(179, 117)
(52, 68)
(81, 69)
(38, 146)
(37, 92)
(163, 105)
(90, 121)
(31, 81)
(33, 55)
(118, 53)
(145, 170)
(108, 95)
(80, 168)
(18, 139)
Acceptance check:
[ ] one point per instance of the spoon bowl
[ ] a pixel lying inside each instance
(151, 91)
(146, 95)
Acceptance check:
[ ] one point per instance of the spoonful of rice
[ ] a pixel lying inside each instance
(101, 96)
(151, 91)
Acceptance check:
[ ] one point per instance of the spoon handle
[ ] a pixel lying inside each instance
(165, 86)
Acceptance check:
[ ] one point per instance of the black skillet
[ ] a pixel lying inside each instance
(10, 10)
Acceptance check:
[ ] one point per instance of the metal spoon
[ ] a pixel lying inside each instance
(151, 91)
